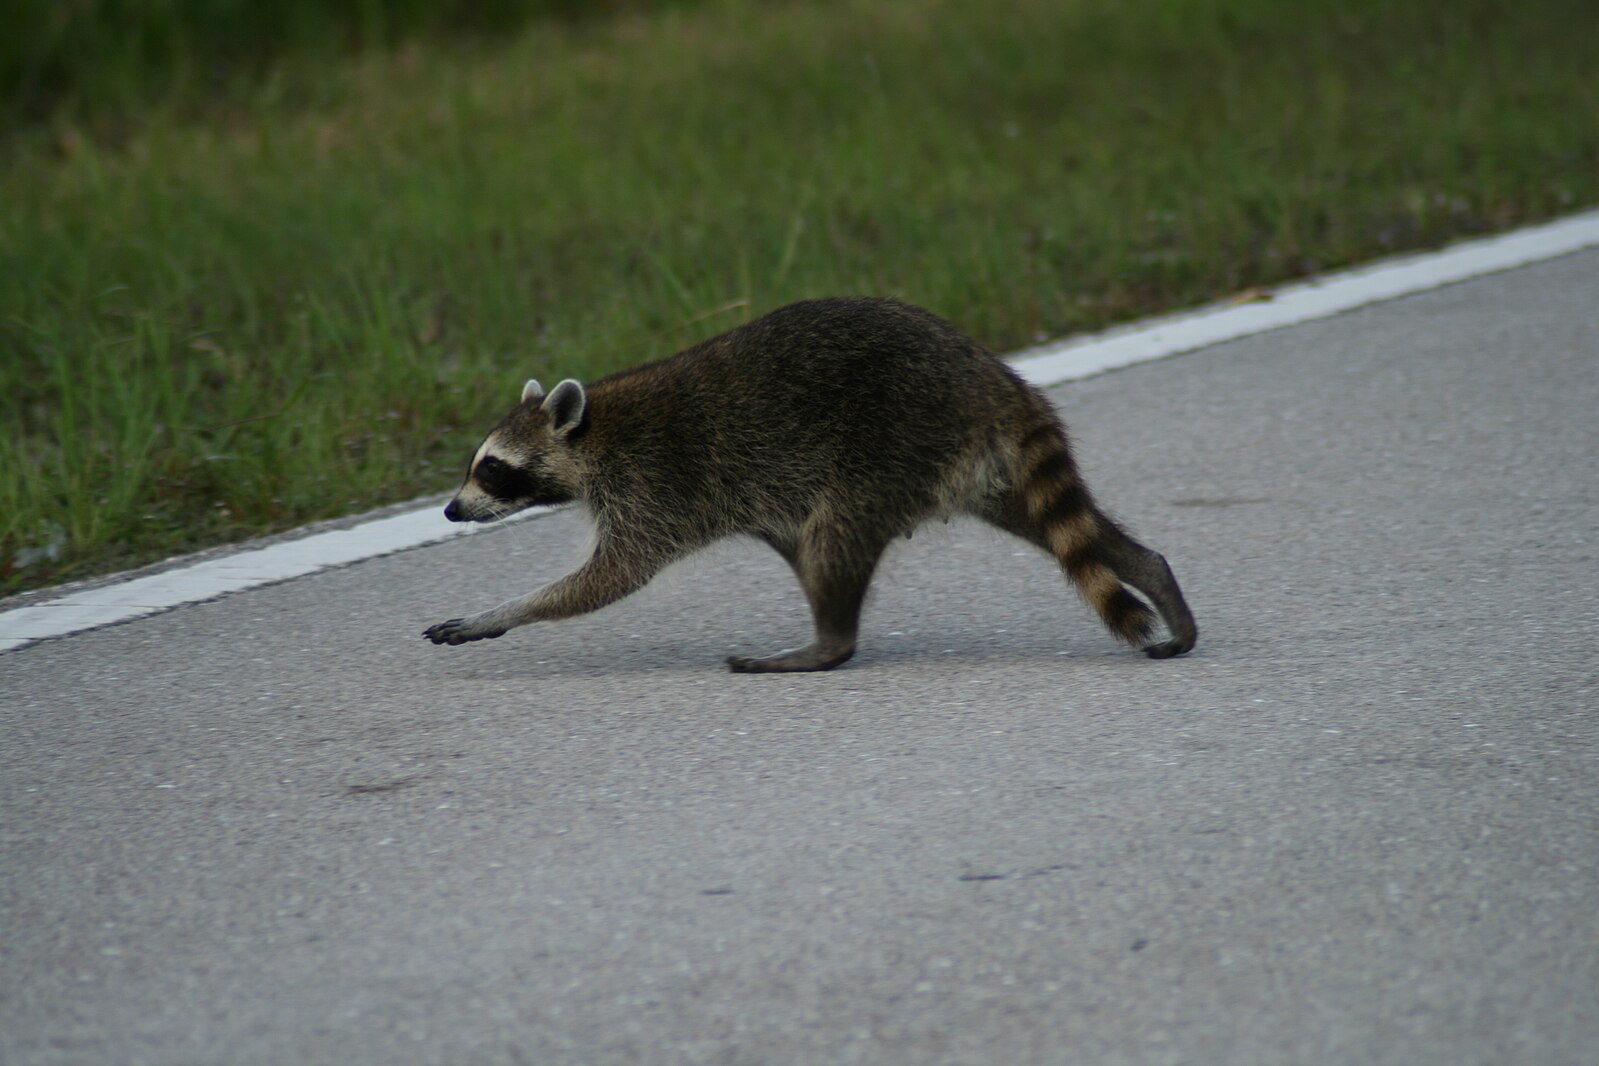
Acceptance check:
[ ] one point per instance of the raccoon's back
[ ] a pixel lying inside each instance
(850, 377)
(871, 397)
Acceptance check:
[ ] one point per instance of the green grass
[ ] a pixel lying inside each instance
(102, 59)
(225, 312)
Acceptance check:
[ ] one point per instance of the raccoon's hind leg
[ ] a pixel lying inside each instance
(1056, 513)
(834, 567)
(1147, 571)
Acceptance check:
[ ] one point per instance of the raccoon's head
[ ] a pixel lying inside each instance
(526, 460)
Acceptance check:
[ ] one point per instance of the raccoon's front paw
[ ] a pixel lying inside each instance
(459, 631)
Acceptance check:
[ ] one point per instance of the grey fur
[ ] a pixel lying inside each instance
(826, 429)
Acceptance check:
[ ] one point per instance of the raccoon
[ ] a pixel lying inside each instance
(826, 429)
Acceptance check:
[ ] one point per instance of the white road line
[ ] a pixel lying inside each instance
(1306, 301)
(1048, 365)
(214, 577)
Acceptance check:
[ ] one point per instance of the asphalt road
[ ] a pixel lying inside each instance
(1359, 824)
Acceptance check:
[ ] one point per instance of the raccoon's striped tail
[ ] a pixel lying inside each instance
(1052, 507)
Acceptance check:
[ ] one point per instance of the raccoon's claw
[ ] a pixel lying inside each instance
(459, 631)
(1167, 649)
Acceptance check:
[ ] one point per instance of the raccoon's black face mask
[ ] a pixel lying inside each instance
(519, 465)
(497, 487)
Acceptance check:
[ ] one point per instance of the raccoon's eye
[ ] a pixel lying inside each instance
(491, 465)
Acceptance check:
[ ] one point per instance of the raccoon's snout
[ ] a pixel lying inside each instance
(475, 507)
(469, 512)
(456, 511)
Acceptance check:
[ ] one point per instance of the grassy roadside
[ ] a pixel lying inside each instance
(308, 296)
(103, 60)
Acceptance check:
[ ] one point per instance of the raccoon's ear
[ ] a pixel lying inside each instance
(565, 405)
(532, 390)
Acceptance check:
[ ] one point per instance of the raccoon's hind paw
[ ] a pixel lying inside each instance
(459, 631)
(1166, 649)
(811, 657)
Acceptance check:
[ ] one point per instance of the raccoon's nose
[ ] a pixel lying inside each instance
(452, 511)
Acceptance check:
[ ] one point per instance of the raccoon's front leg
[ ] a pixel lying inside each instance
(835, 570)
(602, 580)
(462, 630)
